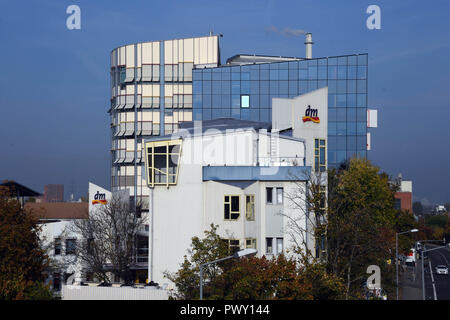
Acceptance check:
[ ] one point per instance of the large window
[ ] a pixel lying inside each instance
(231, 207)
(162, 160)
(250, 243)
(250, 207)
(233, 245)
(320, 164)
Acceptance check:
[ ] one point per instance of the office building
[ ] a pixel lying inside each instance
(248, 177)
(151, 93)
(54, 193)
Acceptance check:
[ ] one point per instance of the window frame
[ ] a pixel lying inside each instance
(282, 195)
(229, 202)
(150, 170)
(252, 244)
(317, 158)
(251, 216)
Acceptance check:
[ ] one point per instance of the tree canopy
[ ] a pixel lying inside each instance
(22, 260)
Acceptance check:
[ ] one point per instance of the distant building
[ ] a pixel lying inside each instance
(403, 197)
(440, 209)
(58, 240)
(54, 193)
(18, 191)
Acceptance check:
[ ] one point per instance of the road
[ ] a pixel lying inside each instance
(441, 288)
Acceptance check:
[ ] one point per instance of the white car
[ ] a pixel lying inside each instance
(441, 269)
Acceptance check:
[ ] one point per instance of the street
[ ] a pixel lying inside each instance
(437, 287)
(441, 288)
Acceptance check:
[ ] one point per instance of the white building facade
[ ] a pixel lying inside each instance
(240, 175)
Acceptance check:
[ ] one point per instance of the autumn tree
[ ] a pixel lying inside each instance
(251, 278)
(22, 261)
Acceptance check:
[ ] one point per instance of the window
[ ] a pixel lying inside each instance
(245, 101)
(319, 155)
(57, 246)
(269, 195)
(250, 207)
(162, 159)
(233, 245)
(279, 245)
(231, 207)
(250, 243)
(279, 195)
(70, 246)
(269, 247)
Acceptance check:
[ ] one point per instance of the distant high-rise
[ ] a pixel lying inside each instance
(54, 193)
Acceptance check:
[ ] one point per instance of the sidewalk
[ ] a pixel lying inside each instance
(410, 282)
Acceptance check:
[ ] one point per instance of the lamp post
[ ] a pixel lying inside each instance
(396, 252)
(423, 273)
(238, 254)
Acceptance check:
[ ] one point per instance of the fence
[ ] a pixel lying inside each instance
(72, 292)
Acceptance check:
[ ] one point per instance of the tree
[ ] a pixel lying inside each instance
(106, 241)
(251, 278)
(360, 223)
(22, 260)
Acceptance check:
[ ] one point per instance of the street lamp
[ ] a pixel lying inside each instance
(423, 273)
(237, 254)
(396, 252)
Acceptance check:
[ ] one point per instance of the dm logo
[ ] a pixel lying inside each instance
(311, 115)
(99, 198)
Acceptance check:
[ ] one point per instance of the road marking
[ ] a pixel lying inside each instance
(432, 281)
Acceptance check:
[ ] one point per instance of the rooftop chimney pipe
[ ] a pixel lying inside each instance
(309, 43)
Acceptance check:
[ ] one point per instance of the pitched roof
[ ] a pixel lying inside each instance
(58, 210)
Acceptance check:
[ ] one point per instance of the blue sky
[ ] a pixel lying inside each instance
(54, 86)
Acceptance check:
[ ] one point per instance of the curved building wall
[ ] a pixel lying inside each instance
(151, 93)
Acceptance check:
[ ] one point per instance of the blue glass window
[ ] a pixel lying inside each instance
(361, 115)
(273, 74)
(361, 142)
(264, 87)
(362, 72)
(361, 101)
(303, 74)
(341, 128)
(254, 87)
(351, 128)
(351, 114)
(331, 128)
(283, 74)
(341, 142)
(361, 128)
(341, 114)
(351, 143)
(341, 100)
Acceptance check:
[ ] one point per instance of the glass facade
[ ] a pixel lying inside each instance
(246, 91)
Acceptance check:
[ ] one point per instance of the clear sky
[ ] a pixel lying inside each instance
(54, 83)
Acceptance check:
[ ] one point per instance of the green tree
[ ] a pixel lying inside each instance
(361, 224)
(22, 260)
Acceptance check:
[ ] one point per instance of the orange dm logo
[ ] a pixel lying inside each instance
(99, 198)
(311, 115)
